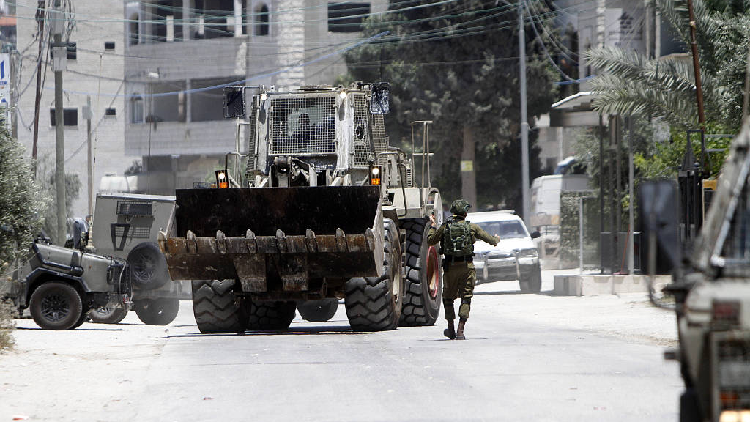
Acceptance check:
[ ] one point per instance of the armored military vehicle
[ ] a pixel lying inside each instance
(60, 285)
(711, 290)
(126, 226)
(321, 208)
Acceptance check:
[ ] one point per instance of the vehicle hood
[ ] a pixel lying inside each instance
(505, 245)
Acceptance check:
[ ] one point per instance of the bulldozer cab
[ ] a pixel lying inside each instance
(331, 134)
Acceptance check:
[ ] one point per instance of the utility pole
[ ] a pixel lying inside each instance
(87, 114)
(696, 65)
(59, 56)
(524, 120)
(41, 17)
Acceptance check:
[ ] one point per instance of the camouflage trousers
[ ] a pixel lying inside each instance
(458, 282)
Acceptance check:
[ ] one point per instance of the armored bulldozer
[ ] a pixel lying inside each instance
(60, 285)
(711, 290)
(319, 208)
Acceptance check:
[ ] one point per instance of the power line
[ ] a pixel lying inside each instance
(544, 48)
(192, 22)
(242, 81)
(560, 47)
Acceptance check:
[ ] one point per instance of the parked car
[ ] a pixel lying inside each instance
(514, 258)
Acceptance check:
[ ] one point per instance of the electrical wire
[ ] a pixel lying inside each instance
(544, 48)
(550, 35)
(96, 128)
(238, 82)
(188, 21)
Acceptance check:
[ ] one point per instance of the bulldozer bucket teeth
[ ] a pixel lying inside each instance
(295, 233)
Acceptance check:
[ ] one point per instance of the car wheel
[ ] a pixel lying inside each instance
(56, 306)
(107, 314)
(160, 311)
(318, 310)
(148, 266)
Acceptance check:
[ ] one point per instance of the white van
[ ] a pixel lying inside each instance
(545, 197)
(544, 214)
(514, 257)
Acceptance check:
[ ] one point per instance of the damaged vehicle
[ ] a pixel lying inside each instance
(59, 286)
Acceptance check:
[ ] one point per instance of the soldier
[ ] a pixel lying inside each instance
(457, 237)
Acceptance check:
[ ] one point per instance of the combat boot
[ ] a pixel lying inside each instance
(450, 332)
(460, 332)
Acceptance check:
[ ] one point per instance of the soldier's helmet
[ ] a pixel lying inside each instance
(460, 207)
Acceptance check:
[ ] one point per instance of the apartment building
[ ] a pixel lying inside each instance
(180, 53)
(585, 24)
(94, 72)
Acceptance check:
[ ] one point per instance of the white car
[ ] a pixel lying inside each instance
(514, 258)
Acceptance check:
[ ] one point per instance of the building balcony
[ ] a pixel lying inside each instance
(175, 138)
(197, 59)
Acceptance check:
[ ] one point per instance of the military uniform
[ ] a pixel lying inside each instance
(459, 274)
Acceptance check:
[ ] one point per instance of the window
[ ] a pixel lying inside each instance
(261, 20)
(109, 45)
(347, 17)
(504, 229)
(70, 117)
(71, 48)
(110, 111)
(133, 29)
(136, 109)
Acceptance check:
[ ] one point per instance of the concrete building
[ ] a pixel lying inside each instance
(95, 70)
(153, 71)
(628, 24)
(180, 53)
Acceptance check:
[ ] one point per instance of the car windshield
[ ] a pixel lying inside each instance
(505, 229)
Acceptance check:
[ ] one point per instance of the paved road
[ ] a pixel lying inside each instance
(528, 358)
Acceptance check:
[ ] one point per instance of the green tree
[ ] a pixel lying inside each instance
(456, 64)
(47, 183)
(631, 83)
(22, 202)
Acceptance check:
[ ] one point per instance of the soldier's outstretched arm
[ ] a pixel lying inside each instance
(435, 234)
(483, 235)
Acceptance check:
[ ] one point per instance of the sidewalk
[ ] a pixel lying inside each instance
(624, 315)
(573, 282)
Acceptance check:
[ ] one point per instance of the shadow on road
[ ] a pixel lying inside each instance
(512, 293)
(90, 327)
(292, 331)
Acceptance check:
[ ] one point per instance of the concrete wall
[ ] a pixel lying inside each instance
(596, 285)
(96, 71)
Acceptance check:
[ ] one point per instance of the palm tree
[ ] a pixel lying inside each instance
(631, 83)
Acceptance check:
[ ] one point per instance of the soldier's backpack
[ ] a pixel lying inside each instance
(457, 238)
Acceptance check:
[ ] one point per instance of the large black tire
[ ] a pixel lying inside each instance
(156, 311)
(318, 310)
(107, 314)
(56, 306)
(215, 308)
(422, 281)
(374, 303)
(689, 408)
(270, 315)
(531, 281)
(148, 266)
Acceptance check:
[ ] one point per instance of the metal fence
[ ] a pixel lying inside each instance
(303, 125)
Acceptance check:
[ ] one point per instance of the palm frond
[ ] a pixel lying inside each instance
(619, 96)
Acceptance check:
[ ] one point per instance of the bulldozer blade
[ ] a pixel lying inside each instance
(291, 234)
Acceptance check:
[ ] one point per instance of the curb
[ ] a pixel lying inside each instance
(609, 284)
